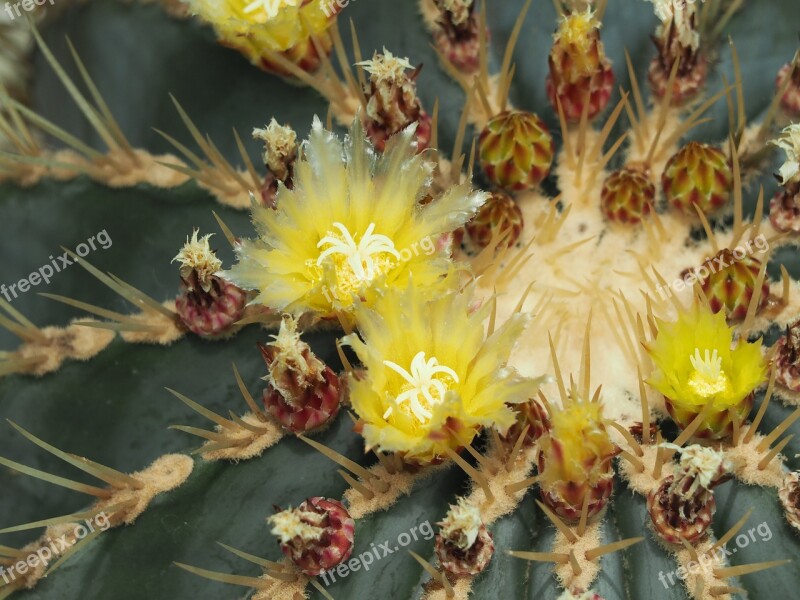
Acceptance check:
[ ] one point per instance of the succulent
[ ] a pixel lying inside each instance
(575, 414)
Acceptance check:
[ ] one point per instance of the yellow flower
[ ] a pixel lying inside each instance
(433, 378)
(575, 459)
(698, 365)
(350, 226)
(251, 26)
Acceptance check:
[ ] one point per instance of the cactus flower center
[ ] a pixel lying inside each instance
(425, 387)
(356, 263)
(269, 7)
(708, 378)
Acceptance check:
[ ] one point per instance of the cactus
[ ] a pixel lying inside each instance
(183, 446)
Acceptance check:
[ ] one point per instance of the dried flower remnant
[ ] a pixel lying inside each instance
(316, 536)
(457, 33)
(208, 304)
(392, 102)
(787, 358)
(280, 153)
(683, 505)
(464, 545)
(790, 498)
(303, 392)
(678, 41)
(784, 210)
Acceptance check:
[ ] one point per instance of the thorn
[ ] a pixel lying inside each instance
(596, 553)
(739, 570)
(560, 525)
(513, 488)
(434, 573)
(553, 557)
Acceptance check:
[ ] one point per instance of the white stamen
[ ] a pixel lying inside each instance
(709, 367)
(421, 379)
(358, 256)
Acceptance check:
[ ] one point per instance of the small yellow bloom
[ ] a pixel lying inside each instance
(789, 142)
(286, 26)
(697, 364)
(575, 459)
(350, 227)
(433, 378)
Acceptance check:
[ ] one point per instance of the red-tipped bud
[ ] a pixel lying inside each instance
(580, 74)
(698, 174)
(627, 196)
(516, 150)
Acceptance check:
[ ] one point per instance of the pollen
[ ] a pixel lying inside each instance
(425, 387)
(708, 378)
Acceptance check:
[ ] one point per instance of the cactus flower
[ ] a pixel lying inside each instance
(286, 26)
(698, 366)
(349, 226)
(433, 377)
